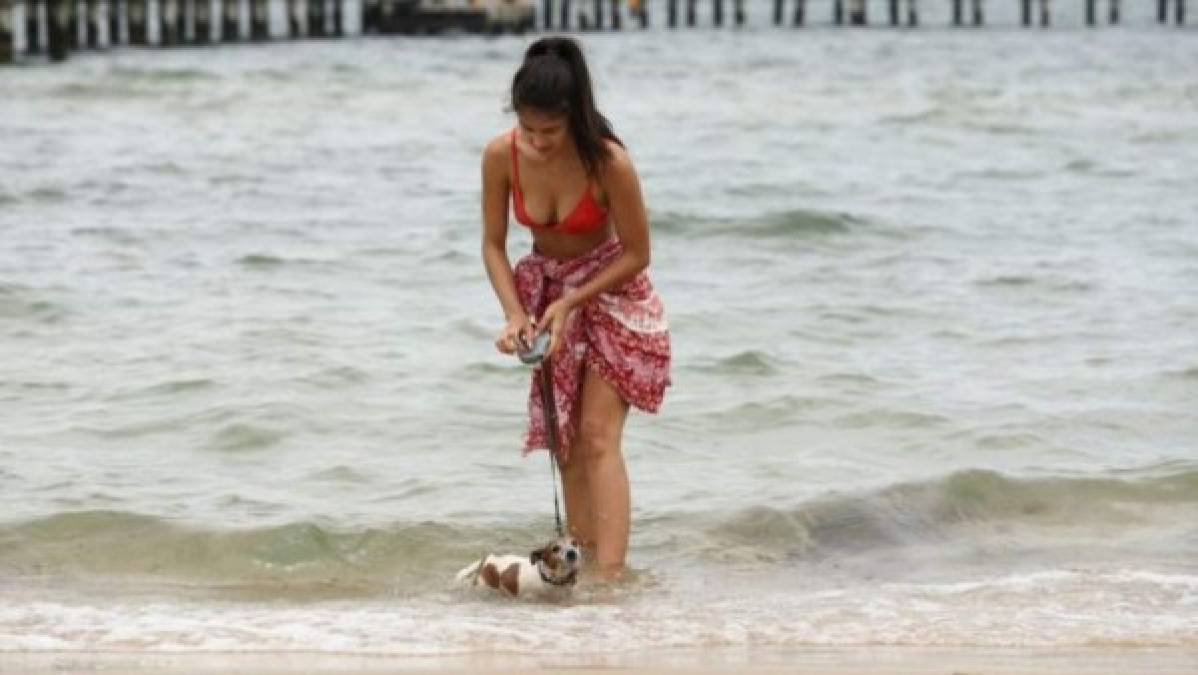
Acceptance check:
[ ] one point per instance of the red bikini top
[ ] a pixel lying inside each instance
(587, 215)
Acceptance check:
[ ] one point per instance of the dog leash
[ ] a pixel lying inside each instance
(550, 409)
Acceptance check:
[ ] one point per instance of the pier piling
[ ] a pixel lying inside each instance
(1045, 13)
(1180, 5)
(8, 42)
(114, 23)
(59, 25)
(138, 11)
(33, 26)
(316, 18)
(295, 17)
(957, 12)
(94, 19)
(1025, 12)
(370, 16)
(1113, 16)
(978, 17)
(838, 12)
(170, 20)
(738, 12)
(1091, 13)
(563, 22)
(690, 13)
(230, 21)
(259, 20)
(76, 25)
(800, 15)
(672, 13)
(717, 12)
(912, 13)
(894, 12)
(202, 11)
(857, 13)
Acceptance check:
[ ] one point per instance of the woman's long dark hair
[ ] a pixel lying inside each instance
(554, 78)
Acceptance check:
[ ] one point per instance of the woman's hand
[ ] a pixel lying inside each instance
(554, 321)
(518, 329)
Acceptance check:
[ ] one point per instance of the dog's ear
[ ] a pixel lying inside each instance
(536, 556)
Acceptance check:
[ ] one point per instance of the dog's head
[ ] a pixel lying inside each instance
(559, 561)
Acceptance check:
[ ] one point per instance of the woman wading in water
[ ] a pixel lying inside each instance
(572, 183)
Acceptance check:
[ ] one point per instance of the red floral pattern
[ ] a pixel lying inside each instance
(621, 334)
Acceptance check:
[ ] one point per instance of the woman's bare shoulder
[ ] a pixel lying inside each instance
(498, 148)
(619, 162)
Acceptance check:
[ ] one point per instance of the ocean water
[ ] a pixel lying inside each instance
(933, 296)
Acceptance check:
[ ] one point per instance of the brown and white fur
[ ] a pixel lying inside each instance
(547, 570)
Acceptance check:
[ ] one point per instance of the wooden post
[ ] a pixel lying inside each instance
(690, 13)
(59, 16)
(230, 21)
(912, 13)
(33, 26)
(837, 12)
(78, 25)
(370, 16)
(1045, 13)
(95, 21)
(1113, 17)
(1162, 11)
(778, 12)
(597, 15)
(672, 13)
(1026, 12)
(1180, 7)
(170, 31)
(1090, 14)
(717, 12)
(857, 13)
(138, 13)
(202, 11)
(316, 18)
(617, 17)
(295, 17)
(259, 20)
(114, 23)
(563, 22)
(894, 12)
(738, 12)
(642, 11)
(339, 18)
(800, 12)
(978, 19)
(957, 12)
(8, 42)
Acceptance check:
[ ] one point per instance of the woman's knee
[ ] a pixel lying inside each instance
(597, 442)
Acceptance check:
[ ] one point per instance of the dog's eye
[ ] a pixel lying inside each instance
(556, 548)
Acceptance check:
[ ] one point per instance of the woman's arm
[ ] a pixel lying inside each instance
(494, 242)
(627, 208)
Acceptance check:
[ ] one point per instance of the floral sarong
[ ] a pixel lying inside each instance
(621, 334)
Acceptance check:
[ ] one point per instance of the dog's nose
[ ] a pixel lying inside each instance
(571, 555)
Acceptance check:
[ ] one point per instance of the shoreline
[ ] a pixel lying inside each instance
(863, 659)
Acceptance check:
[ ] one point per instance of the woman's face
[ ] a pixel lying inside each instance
(546, 132)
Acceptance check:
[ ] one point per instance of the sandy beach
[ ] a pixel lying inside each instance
(864, 660)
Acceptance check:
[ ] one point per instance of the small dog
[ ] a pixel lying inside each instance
(553, 568)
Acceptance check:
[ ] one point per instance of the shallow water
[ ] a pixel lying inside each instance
(932, 302)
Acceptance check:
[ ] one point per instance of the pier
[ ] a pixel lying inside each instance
(31, 30)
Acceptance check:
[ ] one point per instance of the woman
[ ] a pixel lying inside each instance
(573, 185)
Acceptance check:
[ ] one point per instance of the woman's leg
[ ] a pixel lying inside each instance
(577, 493)
(601, 426)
